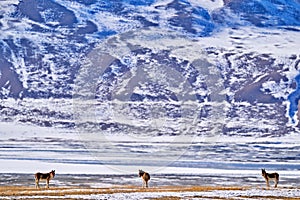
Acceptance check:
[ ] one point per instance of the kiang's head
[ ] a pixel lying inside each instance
(52, 173)
(263, 172)
(141, 173)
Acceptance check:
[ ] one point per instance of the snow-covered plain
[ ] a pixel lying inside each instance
(239, 194)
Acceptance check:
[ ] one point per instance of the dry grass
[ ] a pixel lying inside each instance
(26, 192)
(61, 191)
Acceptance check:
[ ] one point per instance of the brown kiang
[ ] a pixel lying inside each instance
(43, 176)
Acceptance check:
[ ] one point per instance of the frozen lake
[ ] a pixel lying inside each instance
(26, 149)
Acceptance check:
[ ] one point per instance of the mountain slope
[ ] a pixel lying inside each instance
(251, 44)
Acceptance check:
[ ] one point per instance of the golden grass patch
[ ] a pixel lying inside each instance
(62, 191)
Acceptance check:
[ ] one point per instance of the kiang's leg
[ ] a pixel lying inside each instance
(37, 183)
(276, 183)
(267, 183)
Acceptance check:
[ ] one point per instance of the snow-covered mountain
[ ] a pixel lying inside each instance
(152, 66)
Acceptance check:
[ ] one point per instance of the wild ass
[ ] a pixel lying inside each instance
(271, 176)
(43, 176)
(145, 176)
